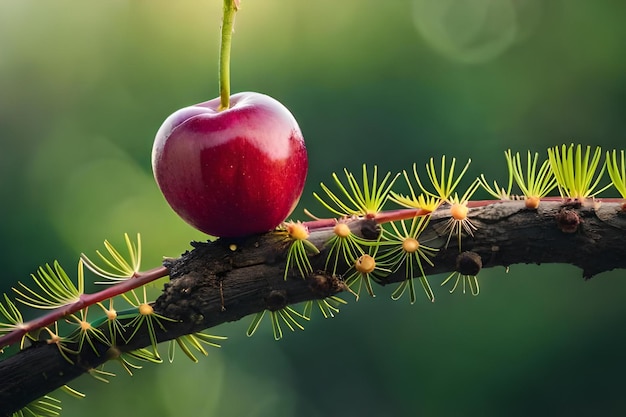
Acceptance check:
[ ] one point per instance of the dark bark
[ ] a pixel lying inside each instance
(226, 280)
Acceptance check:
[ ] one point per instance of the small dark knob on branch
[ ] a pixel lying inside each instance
(568, 221)
(468, 263)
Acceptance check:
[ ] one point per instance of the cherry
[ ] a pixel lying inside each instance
(231, 172)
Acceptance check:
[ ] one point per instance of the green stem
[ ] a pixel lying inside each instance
(228, 22)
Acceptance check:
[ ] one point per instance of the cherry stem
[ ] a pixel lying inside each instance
(228, 23)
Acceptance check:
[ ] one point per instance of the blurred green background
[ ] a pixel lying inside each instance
(84, 85)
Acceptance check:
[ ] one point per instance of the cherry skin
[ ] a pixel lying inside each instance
(231, 172)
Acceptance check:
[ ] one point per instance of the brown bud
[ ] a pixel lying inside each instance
(276, 300)
(468, 263)
(568, 221)
(325, 285)
(370, 229)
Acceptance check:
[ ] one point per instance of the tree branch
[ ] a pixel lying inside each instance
(229, 279)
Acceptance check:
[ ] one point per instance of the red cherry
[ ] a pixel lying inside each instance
(233, 172)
